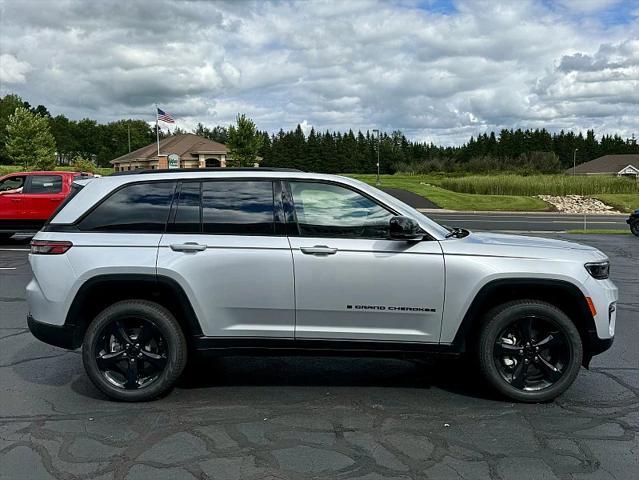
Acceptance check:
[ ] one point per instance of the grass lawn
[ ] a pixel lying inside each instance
(426, 186)
(4, 169)
(624, 202)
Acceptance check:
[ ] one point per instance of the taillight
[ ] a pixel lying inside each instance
(49, 247)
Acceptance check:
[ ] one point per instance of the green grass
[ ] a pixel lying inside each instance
(510, 184)
(605, 231)
(426, 186)
(4, 169)
(627, 202)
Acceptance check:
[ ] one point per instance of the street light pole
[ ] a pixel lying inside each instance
(574, 162)
(377, 130)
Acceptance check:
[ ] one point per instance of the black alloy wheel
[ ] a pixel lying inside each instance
(134, 350)
(529, 350)
(634, 226)
(531, 353)
(131, 353)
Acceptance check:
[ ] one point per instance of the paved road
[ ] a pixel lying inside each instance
(320, 418)
(540, 222)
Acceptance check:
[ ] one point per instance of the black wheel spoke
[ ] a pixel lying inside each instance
(132, 375)
(526, 329)
(120, 333)
(502, 348)
(551, 372)
(144, 335)
(519, 375)
(108, 361)
(552, 340)
(158, 361)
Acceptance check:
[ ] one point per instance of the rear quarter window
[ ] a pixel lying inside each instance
(142, 207)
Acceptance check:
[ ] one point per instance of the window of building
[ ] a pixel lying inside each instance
(140, 207)
(326, 210)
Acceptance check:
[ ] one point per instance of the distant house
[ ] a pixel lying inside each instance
(185, 150)
(609, 165)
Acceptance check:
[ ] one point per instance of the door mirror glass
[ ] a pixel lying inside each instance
(405, 228)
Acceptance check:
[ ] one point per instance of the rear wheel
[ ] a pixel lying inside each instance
(529, 350)
(634, 227)
(134, 350)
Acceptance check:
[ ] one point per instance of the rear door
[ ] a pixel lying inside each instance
(42, 195)
(354, 283)
(226, 246)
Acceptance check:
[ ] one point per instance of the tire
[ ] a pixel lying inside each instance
(127, 371)
(634, 227)
(529, 371)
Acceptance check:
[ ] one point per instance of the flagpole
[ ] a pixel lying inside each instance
(157, 128)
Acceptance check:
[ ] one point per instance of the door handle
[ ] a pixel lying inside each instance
(319, 250)
(187, 247)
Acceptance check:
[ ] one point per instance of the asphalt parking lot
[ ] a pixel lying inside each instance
(326, 418)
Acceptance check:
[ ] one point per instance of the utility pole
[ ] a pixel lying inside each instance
(378, 145)
(128, 128)
(574, 162)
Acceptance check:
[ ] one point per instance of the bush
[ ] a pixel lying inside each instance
(81, 164)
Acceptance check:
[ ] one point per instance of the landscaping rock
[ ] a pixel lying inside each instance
(578, 204)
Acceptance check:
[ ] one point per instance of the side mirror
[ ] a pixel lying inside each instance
(405, 228)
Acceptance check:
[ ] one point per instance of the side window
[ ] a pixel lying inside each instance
(188, 213)
(325, 210)
(142, 207)
(12, 184)
(238, 207)
(45, 184)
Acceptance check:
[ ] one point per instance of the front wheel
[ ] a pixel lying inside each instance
(134, 350)
(634, 227)
(529, 350)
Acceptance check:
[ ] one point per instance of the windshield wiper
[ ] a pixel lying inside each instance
(456, 232)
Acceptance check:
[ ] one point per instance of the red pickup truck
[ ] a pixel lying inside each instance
(27, 199)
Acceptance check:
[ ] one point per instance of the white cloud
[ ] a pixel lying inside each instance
(361, 64)
(12, 70)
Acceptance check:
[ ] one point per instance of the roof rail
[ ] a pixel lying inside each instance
(210, 169)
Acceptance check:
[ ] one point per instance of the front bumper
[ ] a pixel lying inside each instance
(63, 336)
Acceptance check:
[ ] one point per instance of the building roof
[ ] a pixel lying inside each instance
(607, 164)
(186, 145)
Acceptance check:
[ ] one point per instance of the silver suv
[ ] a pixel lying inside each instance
(142, 270)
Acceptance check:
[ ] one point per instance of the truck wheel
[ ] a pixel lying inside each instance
(134, 350)
(529, 350)
(634, 227)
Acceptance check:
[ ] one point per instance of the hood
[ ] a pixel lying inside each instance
(502, 239)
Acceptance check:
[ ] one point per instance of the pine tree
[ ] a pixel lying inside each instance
(29, 141)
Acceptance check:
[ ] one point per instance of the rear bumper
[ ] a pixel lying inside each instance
(63, 336)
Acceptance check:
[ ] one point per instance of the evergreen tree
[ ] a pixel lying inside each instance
(29, 141)
(244, 142)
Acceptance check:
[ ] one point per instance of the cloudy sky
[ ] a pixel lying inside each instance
(439, 70)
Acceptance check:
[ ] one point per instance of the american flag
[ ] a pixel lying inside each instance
(165, 116)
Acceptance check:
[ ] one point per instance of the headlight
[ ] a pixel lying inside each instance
(598, 270)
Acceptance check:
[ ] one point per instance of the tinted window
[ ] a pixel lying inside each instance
(45, 184)
(325, 210)
(135, 208)
(187, 215)
(238, 208)
(12, 184)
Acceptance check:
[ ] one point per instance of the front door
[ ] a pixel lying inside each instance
(12, 198)
(223, 246)
(351, 281)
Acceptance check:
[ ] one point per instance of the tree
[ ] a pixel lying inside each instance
(80, 164)
(243, 142)
(8, 105)
(29, 141)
